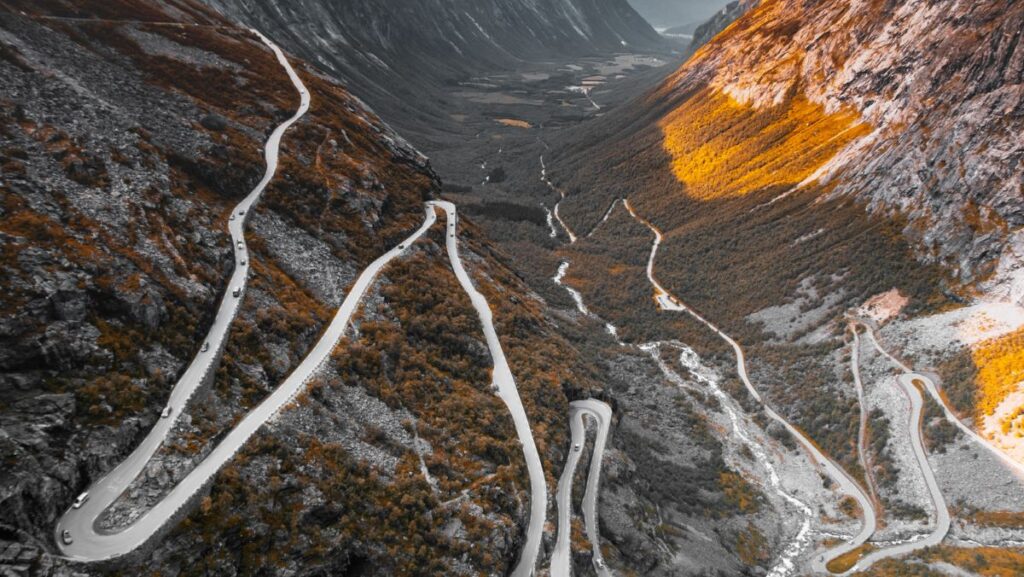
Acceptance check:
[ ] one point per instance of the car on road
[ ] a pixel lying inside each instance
(205, 347)
(65, 536)
(576, 447)
(241, 212)
(80, 500)
(242, 262)
(401, 246)
(232, 217)
(240, 245)
(166, 412)
(600, 563)
(237, 292)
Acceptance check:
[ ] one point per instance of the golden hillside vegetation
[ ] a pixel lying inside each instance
(982, 561)
(723, 148)
(1000, 363)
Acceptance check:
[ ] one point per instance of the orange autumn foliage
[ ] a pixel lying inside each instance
(846, 561)
(1004, 519)
(738, 492)
(1000, 363)
(722, 148)
(984, 561)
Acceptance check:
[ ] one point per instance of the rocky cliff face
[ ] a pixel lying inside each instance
(938, 83)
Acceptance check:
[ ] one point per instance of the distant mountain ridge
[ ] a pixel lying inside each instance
(392, 50)
(720, 21)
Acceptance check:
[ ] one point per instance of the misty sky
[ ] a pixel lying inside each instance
(665, 13)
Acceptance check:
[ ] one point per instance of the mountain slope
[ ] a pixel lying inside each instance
(129, 130)
(911, 112)
(808, 158)
(939, 85)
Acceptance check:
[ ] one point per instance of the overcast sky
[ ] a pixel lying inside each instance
(665, 13)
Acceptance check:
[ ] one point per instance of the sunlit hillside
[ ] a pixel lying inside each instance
(721, 147)
(1000, 365)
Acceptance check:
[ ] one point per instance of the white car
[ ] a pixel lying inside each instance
(241, 212)
(65, 536)
(576, 447)
(166, 412)
(600, 563)
(237, 292)
(80, 500)
(205, 347)
(240, 245)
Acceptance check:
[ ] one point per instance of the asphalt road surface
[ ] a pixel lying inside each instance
(90, 544)
(561, 556)
(509, 393)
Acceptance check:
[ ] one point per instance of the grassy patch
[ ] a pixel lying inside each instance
(846, 561)
(1000, 367)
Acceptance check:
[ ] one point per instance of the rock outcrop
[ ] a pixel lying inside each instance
(941, 84)
(720, 21)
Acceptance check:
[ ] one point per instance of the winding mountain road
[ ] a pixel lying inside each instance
(508, 392)
(561, 556)
(86, 542)
(92, 545)
(785, 565)
(942, 522)
(89, 544)
(1014, 466)
(847, 485)
(912, 384)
